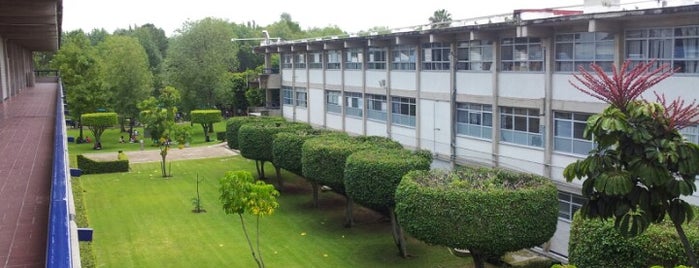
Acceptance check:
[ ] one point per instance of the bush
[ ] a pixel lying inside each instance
(221, 135)
(323, 159)
(89, 166)
(256, 139)
(234, 123)
(596, 243)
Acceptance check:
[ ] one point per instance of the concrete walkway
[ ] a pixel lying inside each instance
(218, 150)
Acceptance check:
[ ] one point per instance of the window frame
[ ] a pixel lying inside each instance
(300, 60)
(300, 97)
(647, 38)
(287, 61)
(333, 59)
(376, 58)
(288, 96)
(595, 43)
(436, 57)
(373, 101)
(315, 60)
(404, 58)
(568, 204)
(464, 51)
(575, 121)
(516, 61)
(333, 103)
(354, 58)
(403, 111)
(509, 131)
(466, 112)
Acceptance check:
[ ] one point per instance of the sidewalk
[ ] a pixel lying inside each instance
(211, 151)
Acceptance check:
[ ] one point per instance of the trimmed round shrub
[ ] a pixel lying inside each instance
(371, 176)
(233, 124)
(256, 139)
(286, 150)
(596, 243)
(379, 142)
(323, 159)
(487, 211)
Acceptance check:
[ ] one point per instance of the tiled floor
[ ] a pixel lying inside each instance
(26, 153)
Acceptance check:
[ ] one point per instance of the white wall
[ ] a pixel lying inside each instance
(374, 76)
(353, 78)
(300, 75)
(287, 75)
(403, 80)
(333, 121)
(375, 128)
(333, 77)
(316, 101)
(288, 112)
(435, 81)
(521, 159)
(522, 85)
(563, 90)
(474, 83)
(474, 150)
(559, 162)
(315, 76)
(301, 114)
(354, 125)
(404, 135)
(559, 241)
(678, 85)
(435, 127)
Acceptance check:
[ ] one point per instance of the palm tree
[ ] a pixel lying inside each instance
(440, 19)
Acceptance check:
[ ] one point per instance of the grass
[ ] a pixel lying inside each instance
(143, 220)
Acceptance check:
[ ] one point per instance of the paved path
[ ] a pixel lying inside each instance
(218, 150)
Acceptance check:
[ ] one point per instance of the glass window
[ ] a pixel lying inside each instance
(435, 56)
(568, 204)
(315, 60)
(691, 133)
(403, 111)
(677, 47)
(332, 101)
(582, 49)
(354, 59)
(475, 55)
(353, 104)
(300, 60)
(568, 129)
(287, 61)
(474, 120)
(523, 54)
(403, 58)
(376, 107)
(301, 97)
(376, 58)
(333, 59)
(521, 126)
(288, 95)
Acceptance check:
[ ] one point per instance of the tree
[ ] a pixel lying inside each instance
(154, 42)
(126, 75)
(158, 117)
(372, 176)
(80, 73)
(97, 123)
(641, 165)
(440, 19)
(198, 59)
(206, 118)
(240, 194)
(487, 211)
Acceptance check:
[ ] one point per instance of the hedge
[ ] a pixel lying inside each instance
(286, 148)
(89, 166)
(323, 159)
(99, 119)
(256, 139)
(221, 135)
(487, 211)
(596, 243)
(234, 123)
(205, 116)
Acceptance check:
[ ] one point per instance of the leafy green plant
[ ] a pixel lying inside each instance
(206, 118)
(196, 201)
(97, 123)
(89, 166)
(240, 194)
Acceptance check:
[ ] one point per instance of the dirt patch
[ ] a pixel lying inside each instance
(218, 150)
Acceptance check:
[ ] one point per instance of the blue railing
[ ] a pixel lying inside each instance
(62, 237)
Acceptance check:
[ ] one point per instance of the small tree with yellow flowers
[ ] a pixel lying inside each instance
(240, 193)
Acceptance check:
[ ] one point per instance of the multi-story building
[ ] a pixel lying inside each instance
(492, 91)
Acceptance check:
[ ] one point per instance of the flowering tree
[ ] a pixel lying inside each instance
(641, 165)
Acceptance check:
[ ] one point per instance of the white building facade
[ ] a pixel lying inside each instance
(493, 94)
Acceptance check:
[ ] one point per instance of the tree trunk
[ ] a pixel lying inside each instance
(247, 237)
(478, 259)
(80, 127)
(687, 247)
(262, 170)
(257, 167)
(398, 237)
(259, 252)
(279, 177)
(211, 127)
(314, 185)
(122, 124)
(349, 219)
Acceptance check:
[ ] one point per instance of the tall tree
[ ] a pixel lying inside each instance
(199, 58)
(126, 75)
(440, 18)
(285, 28)
(78, 63)
(641, 166)
(154, 42)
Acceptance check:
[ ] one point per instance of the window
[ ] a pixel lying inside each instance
(334, 58)
(475, 55)
(403, 58)
(403, 111)
(300, 61)
(435, 56)
(568, 131)
(474, 120)
(315, 60)
(287, 61)
(521, 126)
(301, 99)
(522, 54)
(353, 104)
(376, 107)
(691, 133)
(332, 101)
(376, 59)
(582, 49)
(568, 204)
(355, 58)
(288, 97)
(678, 47)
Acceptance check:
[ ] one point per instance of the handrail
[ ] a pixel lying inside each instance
(61, 245)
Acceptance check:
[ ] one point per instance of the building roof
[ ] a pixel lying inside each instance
(32, 24)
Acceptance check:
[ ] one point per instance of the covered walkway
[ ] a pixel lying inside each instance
(26, 151)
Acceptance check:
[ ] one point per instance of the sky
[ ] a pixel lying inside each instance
(351, 16)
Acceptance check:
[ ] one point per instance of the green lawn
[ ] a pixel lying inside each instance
(143, 220)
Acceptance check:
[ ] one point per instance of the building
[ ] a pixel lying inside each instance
(490, 91)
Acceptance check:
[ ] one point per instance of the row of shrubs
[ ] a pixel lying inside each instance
(89, 166)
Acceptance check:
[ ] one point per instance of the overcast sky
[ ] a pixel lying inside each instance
(351, 16)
